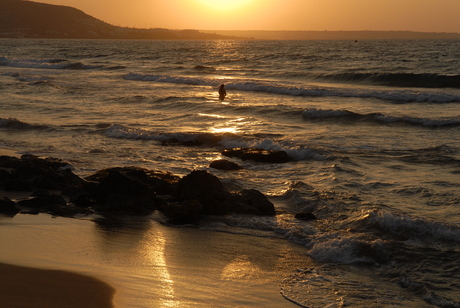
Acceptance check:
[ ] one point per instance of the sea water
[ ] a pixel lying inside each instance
(372, 128)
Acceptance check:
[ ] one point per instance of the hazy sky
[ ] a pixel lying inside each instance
(414, 15)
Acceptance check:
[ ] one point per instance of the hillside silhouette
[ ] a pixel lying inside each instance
(27, 19)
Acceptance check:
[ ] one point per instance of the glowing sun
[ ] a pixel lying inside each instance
(225, 5)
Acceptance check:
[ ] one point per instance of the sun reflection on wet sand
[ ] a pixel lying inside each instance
(155, 253)
(241, 268)
(153, 266)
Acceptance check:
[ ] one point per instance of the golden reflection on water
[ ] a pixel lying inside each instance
(234, 126)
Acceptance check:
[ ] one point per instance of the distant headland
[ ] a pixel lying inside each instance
(28, 19)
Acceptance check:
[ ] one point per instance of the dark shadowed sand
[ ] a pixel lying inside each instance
(29, 288)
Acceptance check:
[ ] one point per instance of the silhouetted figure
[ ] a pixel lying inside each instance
(222, 92)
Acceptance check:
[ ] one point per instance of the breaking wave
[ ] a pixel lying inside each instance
(45, 64)
(225, 140)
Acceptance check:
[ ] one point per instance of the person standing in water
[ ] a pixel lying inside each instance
(222, 92)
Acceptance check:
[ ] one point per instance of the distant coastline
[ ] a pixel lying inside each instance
(28, 19)
(336, 35)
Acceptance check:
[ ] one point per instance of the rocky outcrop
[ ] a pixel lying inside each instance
(207, 189)
(130, 189)
(202, 193)
(258, 155)
(30, 172)
(127, 190)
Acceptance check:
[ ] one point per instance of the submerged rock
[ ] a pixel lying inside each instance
(223, 164)
(305, 216)
(258, 155)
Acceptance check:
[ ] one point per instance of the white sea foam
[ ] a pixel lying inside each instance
(346, 249)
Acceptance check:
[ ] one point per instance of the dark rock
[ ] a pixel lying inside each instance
(43, 202)
(256, 203)
(122, 191)
(207, 189)
(160, 182)
(258, 155)
(40, 193)
(5, 175)
(305, 216)
(18, 185)
(223, 164)
(184, 212)
(8, 207)
(31, 172)
(83, 200)
(201, 193)
(175, 141)
(73, 191)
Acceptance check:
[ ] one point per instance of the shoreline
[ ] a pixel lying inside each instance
(146, 263)
(28, 287)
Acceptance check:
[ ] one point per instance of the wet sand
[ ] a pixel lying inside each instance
(26, 287)
(148, 264)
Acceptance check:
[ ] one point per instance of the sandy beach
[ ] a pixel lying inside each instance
(26, 287)
(144, 262)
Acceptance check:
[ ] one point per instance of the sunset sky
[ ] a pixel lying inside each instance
(413, 15)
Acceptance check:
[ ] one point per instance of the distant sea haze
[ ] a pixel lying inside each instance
(371, 129)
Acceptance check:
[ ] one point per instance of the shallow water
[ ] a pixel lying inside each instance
(372, 129)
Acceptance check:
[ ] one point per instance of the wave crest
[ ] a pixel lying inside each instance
(17, 124)
(45, 64)
(399, 79)
(311, 114)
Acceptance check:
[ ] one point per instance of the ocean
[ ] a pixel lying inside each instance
(372, 128)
